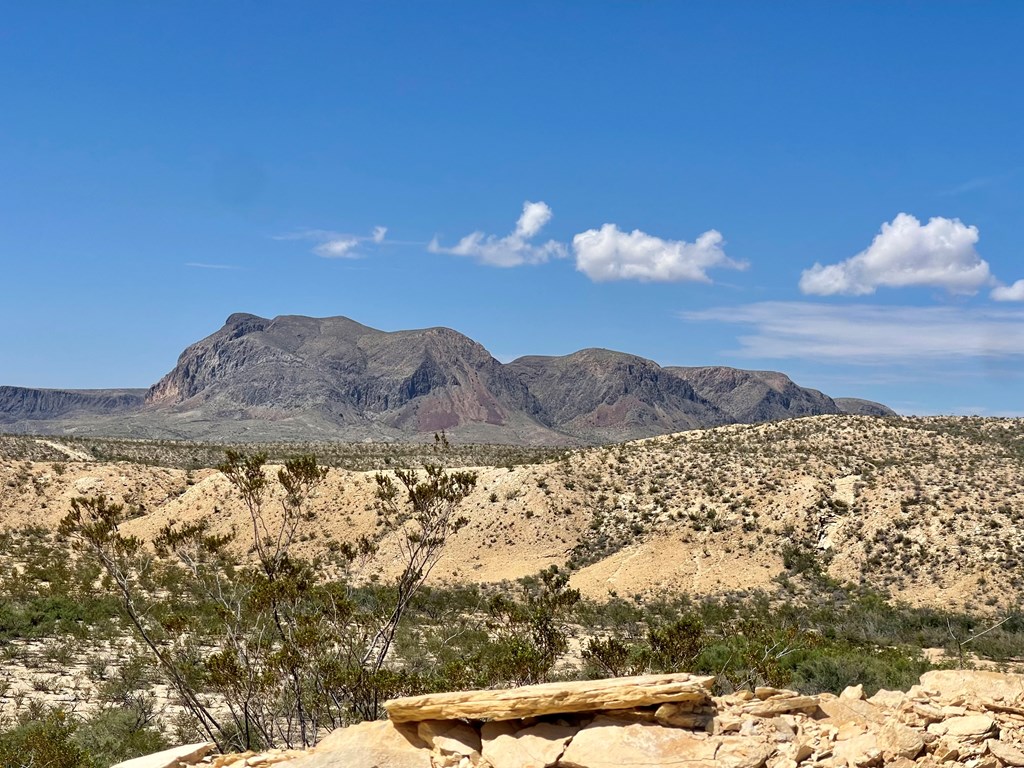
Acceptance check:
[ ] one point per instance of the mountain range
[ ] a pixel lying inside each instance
(301, 378)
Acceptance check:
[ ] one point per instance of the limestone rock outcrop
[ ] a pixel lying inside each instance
(951, 718)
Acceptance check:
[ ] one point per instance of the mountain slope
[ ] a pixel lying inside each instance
(599, 394)
(755, 396)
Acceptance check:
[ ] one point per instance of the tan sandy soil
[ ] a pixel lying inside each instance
(930, 509)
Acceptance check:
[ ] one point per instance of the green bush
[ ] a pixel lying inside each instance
(834, 669)
(114, 735)
(44, 738)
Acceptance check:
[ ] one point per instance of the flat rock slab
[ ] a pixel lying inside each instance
(169, 758)
(965, 727)
(1006, 753)
(953, 683)
(781, 705)
(551, 698)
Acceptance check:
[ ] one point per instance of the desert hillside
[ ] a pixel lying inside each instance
(928, 509)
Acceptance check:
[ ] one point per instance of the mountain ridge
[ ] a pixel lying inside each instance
(298, 377)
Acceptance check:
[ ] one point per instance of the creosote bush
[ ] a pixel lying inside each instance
(286, 655)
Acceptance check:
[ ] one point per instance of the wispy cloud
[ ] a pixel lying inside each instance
(609, 253)
(979, 182)
(200, 265)
(514, 249)
(336, 245)
(971, 185)
(906, 253)
(984, 410)
(870, 334)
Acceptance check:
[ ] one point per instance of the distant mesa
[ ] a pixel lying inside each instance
(27, 404)
(295, 378)
(857, 407)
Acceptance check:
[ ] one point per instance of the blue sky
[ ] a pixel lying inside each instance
(658, 178)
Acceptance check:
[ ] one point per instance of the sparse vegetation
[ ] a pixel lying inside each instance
(183, 454)
(842, 516)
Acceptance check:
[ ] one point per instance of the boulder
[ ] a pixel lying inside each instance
(891, 736)
(781, 705)
(739, 752)
(858, 711)
(538, 746)
(974, 727)
(859, 751)
(610, 743)
(376, 744)
(852, 692)
(450, 738)
(945, 751)
(898, 740)
(667, 715)
(889, 699)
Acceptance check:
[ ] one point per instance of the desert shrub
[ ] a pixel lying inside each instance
(514, 635)
(833, 669)
(289, 655)
(676, 645)
(611, 657)
(755, 640)
(114, 735)
(49, 594)
(43, 737)
(531, 631)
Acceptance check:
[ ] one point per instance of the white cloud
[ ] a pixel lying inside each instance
(939, 254)
(1013, 292)
(533, 219)
(514, 249)
(335, 245)
(871, 334)
(609, 253)
(337, 248)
